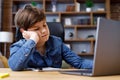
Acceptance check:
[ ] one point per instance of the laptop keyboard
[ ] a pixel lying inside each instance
(78, 71)
(81, 71)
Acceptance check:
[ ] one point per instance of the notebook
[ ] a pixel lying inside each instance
(106, 51)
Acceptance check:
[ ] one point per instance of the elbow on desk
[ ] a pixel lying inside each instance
(13, 66)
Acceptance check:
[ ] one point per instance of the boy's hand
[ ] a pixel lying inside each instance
(30, 35)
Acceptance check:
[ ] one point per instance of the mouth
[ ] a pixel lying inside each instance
(44, 35)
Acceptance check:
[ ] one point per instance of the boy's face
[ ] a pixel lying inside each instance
(41, 28)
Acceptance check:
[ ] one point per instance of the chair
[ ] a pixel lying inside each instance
(3, 61)
(55, 28)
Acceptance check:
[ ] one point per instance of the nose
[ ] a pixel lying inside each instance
(43, 30)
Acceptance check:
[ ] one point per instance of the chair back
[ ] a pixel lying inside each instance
(56, 29)
(3, 61)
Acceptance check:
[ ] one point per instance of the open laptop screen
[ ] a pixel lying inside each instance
(106, 51)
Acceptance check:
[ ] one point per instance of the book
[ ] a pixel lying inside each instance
(77, 8)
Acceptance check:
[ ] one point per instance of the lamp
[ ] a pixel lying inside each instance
(6, 37)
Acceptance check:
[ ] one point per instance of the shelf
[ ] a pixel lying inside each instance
(27, 0)
(85, 54)
(79, 40)
(78, 25)
(52, 12)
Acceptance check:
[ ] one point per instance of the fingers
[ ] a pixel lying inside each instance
(34, 36)
(29, 35)
(22, 30)
(25, 34)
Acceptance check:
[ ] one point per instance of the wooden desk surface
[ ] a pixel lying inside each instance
(53, 75)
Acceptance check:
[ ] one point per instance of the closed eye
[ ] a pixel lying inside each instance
(37, 29)
(45, 25)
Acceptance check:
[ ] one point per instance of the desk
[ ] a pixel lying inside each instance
(53, 75)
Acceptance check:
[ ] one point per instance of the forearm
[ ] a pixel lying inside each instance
(19, 55)
(74, 60)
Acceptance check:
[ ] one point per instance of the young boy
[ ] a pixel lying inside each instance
(38, 49)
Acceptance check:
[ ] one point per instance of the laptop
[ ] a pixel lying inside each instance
(106, 52)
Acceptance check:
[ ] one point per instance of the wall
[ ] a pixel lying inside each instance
(6, 17)
(0, 13)
(115, 11)
(7, 7)
(6, 20)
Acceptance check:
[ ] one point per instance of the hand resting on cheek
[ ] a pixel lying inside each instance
(30, 35)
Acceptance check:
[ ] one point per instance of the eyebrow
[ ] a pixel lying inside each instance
(34, 27)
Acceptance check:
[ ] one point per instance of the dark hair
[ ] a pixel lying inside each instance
(28, 16)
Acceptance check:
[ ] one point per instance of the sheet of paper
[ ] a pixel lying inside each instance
(50, 69)
(43, 69)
